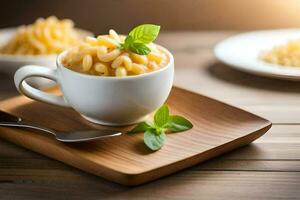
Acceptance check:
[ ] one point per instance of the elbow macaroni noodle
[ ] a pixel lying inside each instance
(45, 36)
(101, 56)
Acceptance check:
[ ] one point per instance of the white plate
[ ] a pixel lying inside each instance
(10, 63)
(242, 51)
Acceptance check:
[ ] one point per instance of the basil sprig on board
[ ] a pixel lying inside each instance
(139, 37)
(155, 132)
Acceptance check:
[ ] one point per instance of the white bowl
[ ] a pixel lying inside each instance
(10, 63)
(103, 100)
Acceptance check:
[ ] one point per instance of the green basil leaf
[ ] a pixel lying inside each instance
(121, 46)
(128, 40)
(139, 48)
(145, 33)
(153, 140)
(177, 123)
(141, 127)
(161, 116)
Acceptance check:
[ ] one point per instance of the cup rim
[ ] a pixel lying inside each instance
(170, 64)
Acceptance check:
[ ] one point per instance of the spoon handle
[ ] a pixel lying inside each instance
(13, 121)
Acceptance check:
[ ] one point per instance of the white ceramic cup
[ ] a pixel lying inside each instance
(103, 100)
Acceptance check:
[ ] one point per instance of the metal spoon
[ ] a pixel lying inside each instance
(74, 136)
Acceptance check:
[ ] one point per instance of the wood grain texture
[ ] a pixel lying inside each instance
(197, 69)
(220, 185)
(218, 128)
(267, 169)
(28, 175)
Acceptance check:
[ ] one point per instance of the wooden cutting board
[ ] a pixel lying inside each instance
(218, 128)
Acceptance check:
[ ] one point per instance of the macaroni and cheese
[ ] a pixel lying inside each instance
(45, 36)
(284, 55)
(102, 56)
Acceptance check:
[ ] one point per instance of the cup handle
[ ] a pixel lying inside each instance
(37, 71)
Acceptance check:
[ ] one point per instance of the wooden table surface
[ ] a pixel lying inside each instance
(267, 169)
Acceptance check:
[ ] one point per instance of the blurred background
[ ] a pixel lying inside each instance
(100, 15)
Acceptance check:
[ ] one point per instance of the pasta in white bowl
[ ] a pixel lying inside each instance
(102, 56)
(10, 60)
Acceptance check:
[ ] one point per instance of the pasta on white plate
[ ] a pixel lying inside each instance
(44, 36)
(102, 56)
(283, 55)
